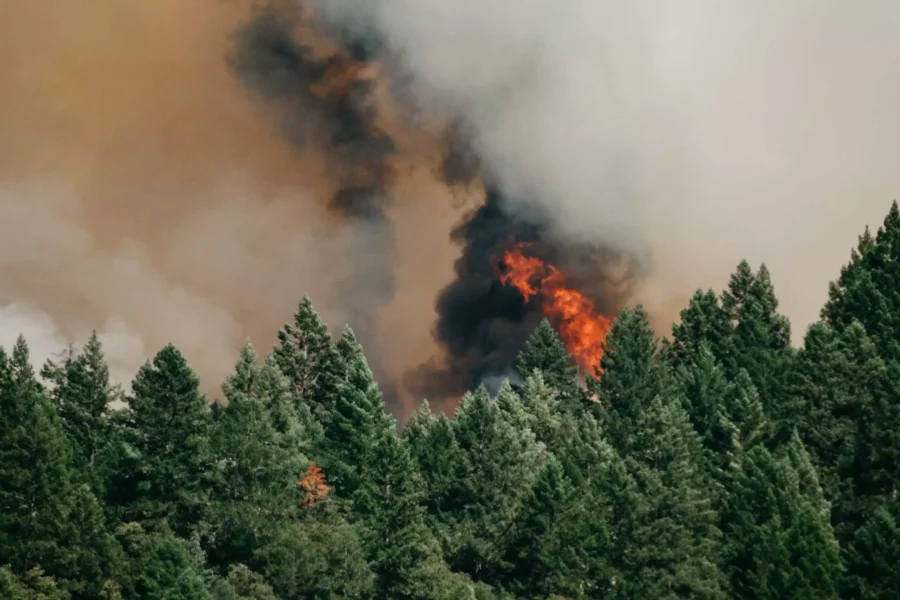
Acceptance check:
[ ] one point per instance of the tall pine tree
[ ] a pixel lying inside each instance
(49, 520)
(166, 468)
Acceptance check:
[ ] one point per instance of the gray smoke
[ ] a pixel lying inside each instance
(691, 133)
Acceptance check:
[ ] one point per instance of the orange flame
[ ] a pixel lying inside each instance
(581, 328)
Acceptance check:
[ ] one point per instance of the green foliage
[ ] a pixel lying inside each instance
(82, 394)
(872, 558)
(315, 559)
(633, 376)
(721, 464)
(48, 519)
(161, 566)
(31, 585)
(257, 445)
(780, 541)
(704, 323)
(310, 361)
(166, 464)
(500, 464)
(545, 353)
(867, 290)
(678, 538)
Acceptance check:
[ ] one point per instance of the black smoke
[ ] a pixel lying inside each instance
(315, 79)
(322, 103)
(482, 324)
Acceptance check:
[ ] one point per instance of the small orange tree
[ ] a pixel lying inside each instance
(313, 483)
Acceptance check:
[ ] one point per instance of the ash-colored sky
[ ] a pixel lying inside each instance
(143, 193)
(695, 132)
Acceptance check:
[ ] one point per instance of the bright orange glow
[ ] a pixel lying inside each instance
(581, 328)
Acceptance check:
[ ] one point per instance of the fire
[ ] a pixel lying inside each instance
(581, 328)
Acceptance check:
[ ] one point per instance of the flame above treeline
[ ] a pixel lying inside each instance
(582, 329)
(336, 90)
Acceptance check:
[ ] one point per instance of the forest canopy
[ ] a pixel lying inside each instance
(718, 462)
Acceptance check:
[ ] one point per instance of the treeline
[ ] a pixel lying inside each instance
(719, 463)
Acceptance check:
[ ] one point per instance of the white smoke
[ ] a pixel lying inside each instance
(695, 133)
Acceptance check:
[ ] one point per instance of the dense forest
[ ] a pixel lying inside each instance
(719, 462)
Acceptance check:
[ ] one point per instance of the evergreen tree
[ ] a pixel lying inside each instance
(32, 585)
(258, 467)
(377, 473)
(633, 376)
(704, 323)
(310, 361)
(82, 394)
(540, 555)
(727, 415)
(501, 463)
(544, 352)
(678, 544)
(439, 465)
(161, 566)
(357, 419)
(834, 387)
(761, 343)
(872, 558)
(603, 515)
(404, 555)
(243, 584)
(780, 543)
(166, 464)
(867, 291)
(48, 520)
(542, 413)
(314, 558)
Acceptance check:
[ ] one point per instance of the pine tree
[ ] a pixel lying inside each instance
(867, 291)
(703, 386)
(704, 323)
(727, 415)
(373, 468)
(872, 558)
(258, 468)
(438, 461)
(604, 514)
(244, 584)
(780, 543)
(357, 418)
(318, 557)
(834, 384)
(82, 393)
(633, 376)
(761, 343)
(32, 585)
(678, 542)
(161, 566)
(544, 352)
(310, 361)
(48, 520)
(166, 464)
(542, 413)
(501, 463)
(541, 556)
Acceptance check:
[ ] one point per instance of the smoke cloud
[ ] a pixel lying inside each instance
(690, 134)
(185, 171)
(144, 194)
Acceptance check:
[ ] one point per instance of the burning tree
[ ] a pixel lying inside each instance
(313, 483)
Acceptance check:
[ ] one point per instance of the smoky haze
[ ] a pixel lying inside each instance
(693, 133)
(142, 192)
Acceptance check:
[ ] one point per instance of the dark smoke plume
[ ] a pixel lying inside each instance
(318, 78)
(326, 101)
(482, 324)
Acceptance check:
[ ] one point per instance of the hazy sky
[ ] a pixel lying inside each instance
(143, 193)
